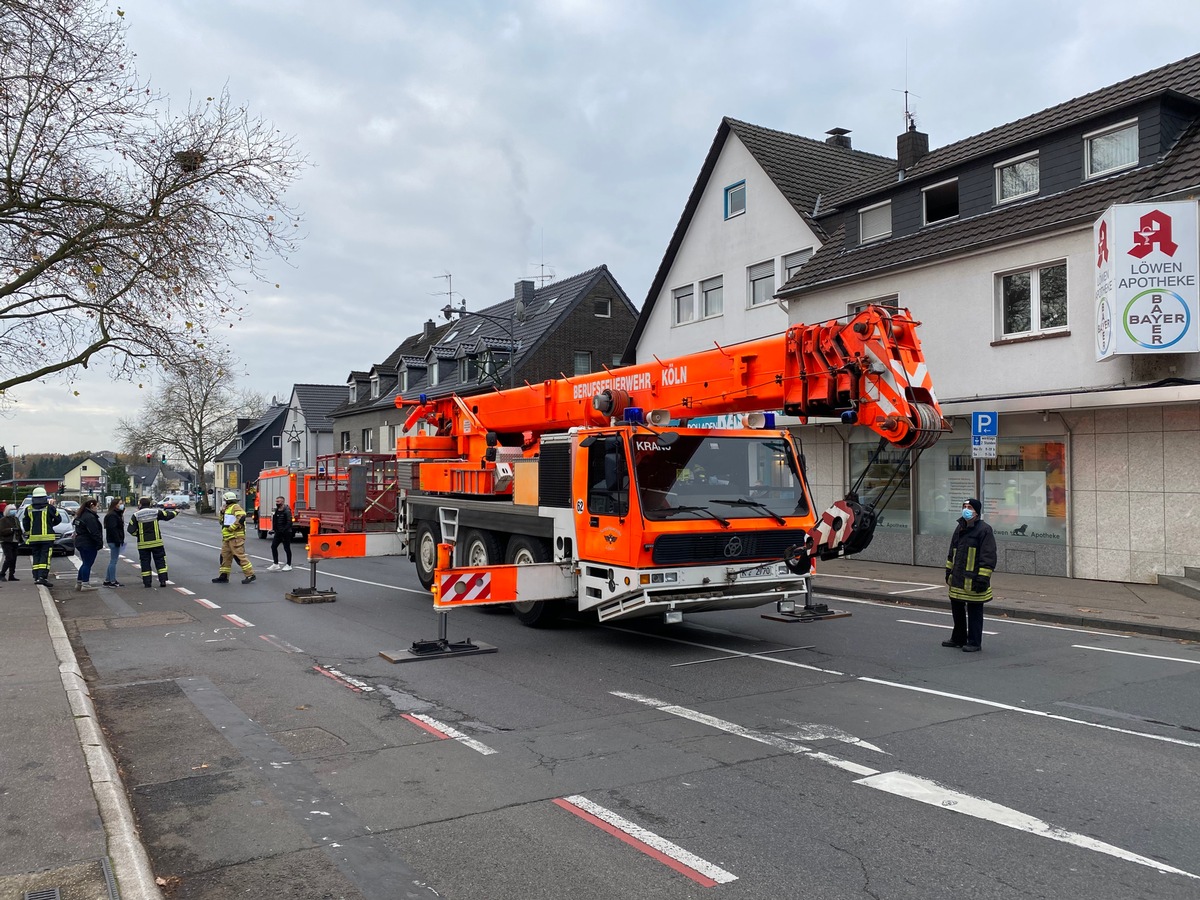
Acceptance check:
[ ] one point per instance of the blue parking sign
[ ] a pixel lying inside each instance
(984, 423)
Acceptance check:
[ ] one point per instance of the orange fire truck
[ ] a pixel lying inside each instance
(594, 491)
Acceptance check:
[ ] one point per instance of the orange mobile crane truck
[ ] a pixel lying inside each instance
(593, 492)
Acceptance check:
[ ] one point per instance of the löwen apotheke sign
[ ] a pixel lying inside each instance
(1147, 281)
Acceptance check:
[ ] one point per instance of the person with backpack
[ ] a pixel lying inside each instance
(38, 523)
(114, 536)
(145, 527)
(89, 538)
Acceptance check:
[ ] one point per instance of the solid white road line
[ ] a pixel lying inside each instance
(882, 604)
(1028, 712)
(451, 732)
(764, 658)
(660, 845)
(923, 790)
(1192, 662)
(933, 625)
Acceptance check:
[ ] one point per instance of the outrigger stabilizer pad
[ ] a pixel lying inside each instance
(311, 595)
(436, 649)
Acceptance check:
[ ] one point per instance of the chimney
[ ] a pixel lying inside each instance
(243, 424)
(429, 330)
(523, 292)
(838, 137)
(911, 146)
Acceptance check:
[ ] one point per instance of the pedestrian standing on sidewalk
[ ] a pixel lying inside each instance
(89, 538)
(969, 566)
(151, 553)
(114, 536)
(38, 522)
(10, 539)
(233, 541)
(281, 524)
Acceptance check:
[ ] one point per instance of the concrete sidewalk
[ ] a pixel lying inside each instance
(1140, 608)
(67, 821)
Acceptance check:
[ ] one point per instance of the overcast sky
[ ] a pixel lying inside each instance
(482, 138)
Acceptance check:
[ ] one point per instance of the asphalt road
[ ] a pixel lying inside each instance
(270, 751)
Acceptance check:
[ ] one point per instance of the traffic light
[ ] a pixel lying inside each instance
(164, 457)
(149, 457)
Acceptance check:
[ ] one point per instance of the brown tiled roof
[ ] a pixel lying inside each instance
(1179, 170)
(1182, 77)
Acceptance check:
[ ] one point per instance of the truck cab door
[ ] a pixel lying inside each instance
(607, 534)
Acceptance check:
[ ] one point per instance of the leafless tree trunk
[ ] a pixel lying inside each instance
(193, 416)
(126, 230)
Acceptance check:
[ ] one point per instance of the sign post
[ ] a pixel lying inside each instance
(985, 430)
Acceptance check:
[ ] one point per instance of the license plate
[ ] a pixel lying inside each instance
(762, 571)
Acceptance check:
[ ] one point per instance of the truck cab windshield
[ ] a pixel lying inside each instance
(716, 472)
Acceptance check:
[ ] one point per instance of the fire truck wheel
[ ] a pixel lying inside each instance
(480, 548)
(429, 535)
(524, 550)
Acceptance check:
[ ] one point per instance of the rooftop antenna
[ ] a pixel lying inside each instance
(543, 277)
(449, 293)
(910, 118)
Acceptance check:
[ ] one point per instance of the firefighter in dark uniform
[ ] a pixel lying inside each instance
(38, 521)
(151, 552)
(969, 566)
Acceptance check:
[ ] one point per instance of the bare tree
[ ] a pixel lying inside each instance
(126, 231)
(193, 416)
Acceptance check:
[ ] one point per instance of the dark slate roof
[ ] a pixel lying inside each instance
(318, 401)
(411, 352)
(804, 170)
(551, 305)
(1182, 77)
(253, 431)
(1178, 170)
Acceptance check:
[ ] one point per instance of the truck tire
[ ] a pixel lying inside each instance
(429, 535)
(480, 548)
(524, 550)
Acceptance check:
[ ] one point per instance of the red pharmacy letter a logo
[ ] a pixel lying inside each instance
(1102, 246)
(1153, 228)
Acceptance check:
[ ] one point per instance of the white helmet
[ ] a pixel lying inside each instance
(230, 496)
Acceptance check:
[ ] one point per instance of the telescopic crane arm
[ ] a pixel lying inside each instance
(867, 370)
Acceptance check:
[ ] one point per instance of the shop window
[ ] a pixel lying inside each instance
(885, 485)
(1024, 489)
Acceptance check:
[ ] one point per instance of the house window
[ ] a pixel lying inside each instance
(83, 468)
(583, 362)
(468, 369)
(434, 373)
(374, 386)
(886, 302)
(345, 440)
(602, 308)
(276, 441)
(1033, 301)
(875, 222)
(793, 261)
(735, 199)
(941, 202)
(710, 297)
(353, 392)
(762, 282)
(1112, 149)
(368, 440)
(1016, 178)
(404, 380)
(684, 306)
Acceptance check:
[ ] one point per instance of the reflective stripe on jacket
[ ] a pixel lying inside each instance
(39, 522)
(144, 526)
(972, 554)
(238, 528)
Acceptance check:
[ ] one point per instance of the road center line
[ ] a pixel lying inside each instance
(1029, 712)
(669, 854)
(1191, 662)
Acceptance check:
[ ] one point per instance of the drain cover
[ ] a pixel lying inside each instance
(43, 894)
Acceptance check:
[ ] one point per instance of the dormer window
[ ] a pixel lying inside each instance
(374, 386)
(1017, 178)
(941, 201)
(1111, 150)
(403, 380)
(735, 200)
(875, 222)
(434, 373)
(353, 392)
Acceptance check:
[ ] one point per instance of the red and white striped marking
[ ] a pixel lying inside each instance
(207, 603)
(442, 731)
(280, 643)
(683, 861)
(184, 591)
(359, 687)
(237, 620)
(468, 586)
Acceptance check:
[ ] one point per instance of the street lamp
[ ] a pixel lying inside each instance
(516, 314)
(12, 467)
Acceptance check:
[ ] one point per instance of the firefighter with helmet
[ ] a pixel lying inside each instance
(39, 520)
(233, 541)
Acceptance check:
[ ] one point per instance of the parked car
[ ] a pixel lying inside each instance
(64, 544)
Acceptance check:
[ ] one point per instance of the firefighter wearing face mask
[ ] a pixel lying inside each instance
(969, 566)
